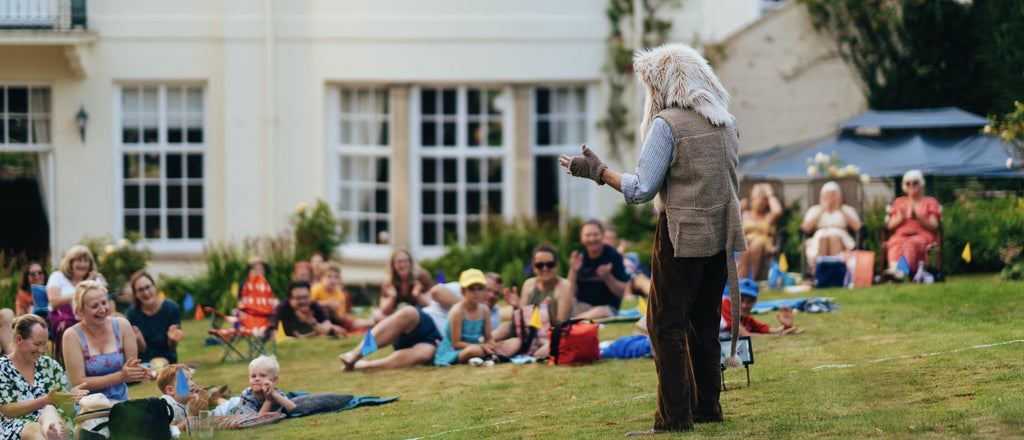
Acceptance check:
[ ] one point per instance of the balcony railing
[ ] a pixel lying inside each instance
(56, 15)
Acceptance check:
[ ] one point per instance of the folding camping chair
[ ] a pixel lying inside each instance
(743, 350)
(251, 325)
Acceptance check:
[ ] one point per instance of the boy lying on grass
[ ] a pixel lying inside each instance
(750, 326)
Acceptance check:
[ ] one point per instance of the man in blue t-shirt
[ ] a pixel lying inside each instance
(597, 275)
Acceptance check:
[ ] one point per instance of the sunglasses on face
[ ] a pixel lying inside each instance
(36, 273)
(912, 183)
(545, 264)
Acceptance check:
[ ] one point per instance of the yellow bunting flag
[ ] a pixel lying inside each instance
(160, 293)
(783, 264)
(535, 318)
(281, 336)
(966, 255)
(234, 289)
(641, 305)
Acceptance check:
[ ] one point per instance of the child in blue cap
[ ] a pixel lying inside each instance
(748, 325)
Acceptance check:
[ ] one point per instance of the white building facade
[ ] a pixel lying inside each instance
(213, 120)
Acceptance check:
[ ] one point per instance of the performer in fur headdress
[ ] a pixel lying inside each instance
(689, 158)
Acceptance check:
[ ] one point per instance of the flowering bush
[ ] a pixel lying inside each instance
(118, 259)
(317, 230)
(830, 165)
(1010, 128)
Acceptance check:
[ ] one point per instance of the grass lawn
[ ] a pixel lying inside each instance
(908, 361)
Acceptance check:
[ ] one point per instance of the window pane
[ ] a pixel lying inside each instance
(451, 205)
(429, 202)
(428, 136)
(17, 100)
(381, 226)
(152, 196)
(382, 170)
(475, 133)
(473, 231)
(363, 104)
(174, 166)
(175, 100)
(130, 135)
(494, 134)
(40, 101)
(381, 101)
(174, 196)
(365, 200)
(429, 170)
(581, 100)
(430, 233)
(382, 133)
(195, 135)
(562, 132)
(451, 171)
(194, 100)
(473, 170)
(362, 133)
(561, 101)
(494, 170)
(348, 132)
(473, 101)
(449, 134)
(428, 101)
(131, 166)
(41, 129)
(543, 133)
(381, 201)
(149, 135)
(473, 201)
(131, 223)
(17, 130)
(195, 226)
(450, 233)
(130, 100)
(151, 165)
(195, 196)
(131, 196)
(448, 101)
(150, 103)
(174, 226)
(495, 100)
(363, 231)
(152, 226)
(346, 101)
(175, 133)
(195, 166)
(494, 201)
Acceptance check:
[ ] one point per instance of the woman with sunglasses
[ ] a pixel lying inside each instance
(913, 220)
(546, 288)
(34, 275)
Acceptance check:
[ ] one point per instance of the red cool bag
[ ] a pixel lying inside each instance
(574, 342)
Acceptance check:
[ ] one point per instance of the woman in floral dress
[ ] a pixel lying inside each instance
(36, 400)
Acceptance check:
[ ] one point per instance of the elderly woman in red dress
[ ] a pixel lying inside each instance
(913, 220)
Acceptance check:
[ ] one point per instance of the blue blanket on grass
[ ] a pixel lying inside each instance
(307, 404)
(809, 305)
(628, 347)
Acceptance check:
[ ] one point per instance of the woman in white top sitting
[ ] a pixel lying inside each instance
(830, 222)
(77, 266)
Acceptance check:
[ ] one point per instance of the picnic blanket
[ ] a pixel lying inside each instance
(809, 305)
(307, 404)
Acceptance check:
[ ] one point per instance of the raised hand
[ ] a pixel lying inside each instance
(174, 333)
(604, 269)
(575, 261)
(785, 317)
(589, 165)
(512, 296)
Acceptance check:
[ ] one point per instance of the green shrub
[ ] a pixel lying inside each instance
(11, 268)
(226, 265)
(118, 260)
(504, 247)
(637, 223)
(317, 230)
(991, 226)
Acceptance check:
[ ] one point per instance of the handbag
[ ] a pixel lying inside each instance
(574, 342)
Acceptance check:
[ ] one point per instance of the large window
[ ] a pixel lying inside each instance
(561, 123)
(162, 140)
(461, 147)
(362, 146)
(24, 116)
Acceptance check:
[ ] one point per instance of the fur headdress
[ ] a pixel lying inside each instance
(675, 75)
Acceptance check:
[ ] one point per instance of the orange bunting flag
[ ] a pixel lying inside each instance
(199, 313)
(641, 305)
(783, 264)
(535, 318)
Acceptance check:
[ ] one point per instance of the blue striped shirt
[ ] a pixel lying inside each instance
(655, 157)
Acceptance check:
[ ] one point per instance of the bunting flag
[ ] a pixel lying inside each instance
(783, 264)
(234, 289)
(281, 336)
(775, 276)
(440, 279)
(182, 387)
(535, 318)
(966, 255)
(160, 293)
(529, 269)
(187, 303)
(369, 344)
(903, 265)
(641, 305)
(199, 313)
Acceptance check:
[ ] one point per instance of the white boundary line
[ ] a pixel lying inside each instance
(648, 395)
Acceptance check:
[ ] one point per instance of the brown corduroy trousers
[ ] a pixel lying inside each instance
(683, 322)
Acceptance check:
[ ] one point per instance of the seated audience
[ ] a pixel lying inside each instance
(335, 301)
(262, 396)
(546, 290)
(639, 275)
(914, 220)
(444, 296)
(829, 223)
(301, 317)
(303, 271)
(467, 332)
(760, 223)
(77, 266)
(412, 334)
(748, 325)
(256, 265)
(597, 275)
(185, 406)
(40, 408)
(406, 282)
(314, 263)
(156, 320)
(34, 275)
(100, 354)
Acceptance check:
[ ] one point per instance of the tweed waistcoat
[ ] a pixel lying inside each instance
(699, 194)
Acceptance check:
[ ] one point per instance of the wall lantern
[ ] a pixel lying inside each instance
(82, 117)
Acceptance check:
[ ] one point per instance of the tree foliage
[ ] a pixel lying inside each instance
(934, 53)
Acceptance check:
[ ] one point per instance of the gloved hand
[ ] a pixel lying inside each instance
(588, 165)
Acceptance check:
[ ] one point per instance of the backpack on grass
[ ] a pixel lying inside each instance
(142, 419)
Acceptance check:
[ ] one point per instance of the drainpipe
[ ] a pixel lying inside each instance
(269, 119)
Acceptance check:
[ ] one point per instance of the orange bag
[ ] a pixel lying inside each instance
(574, 342)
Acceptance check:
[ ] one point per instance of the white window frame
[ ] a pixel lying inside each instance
(581, 194)
(461, 151)
(163, 245)
(337, 150)
(5, 144)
